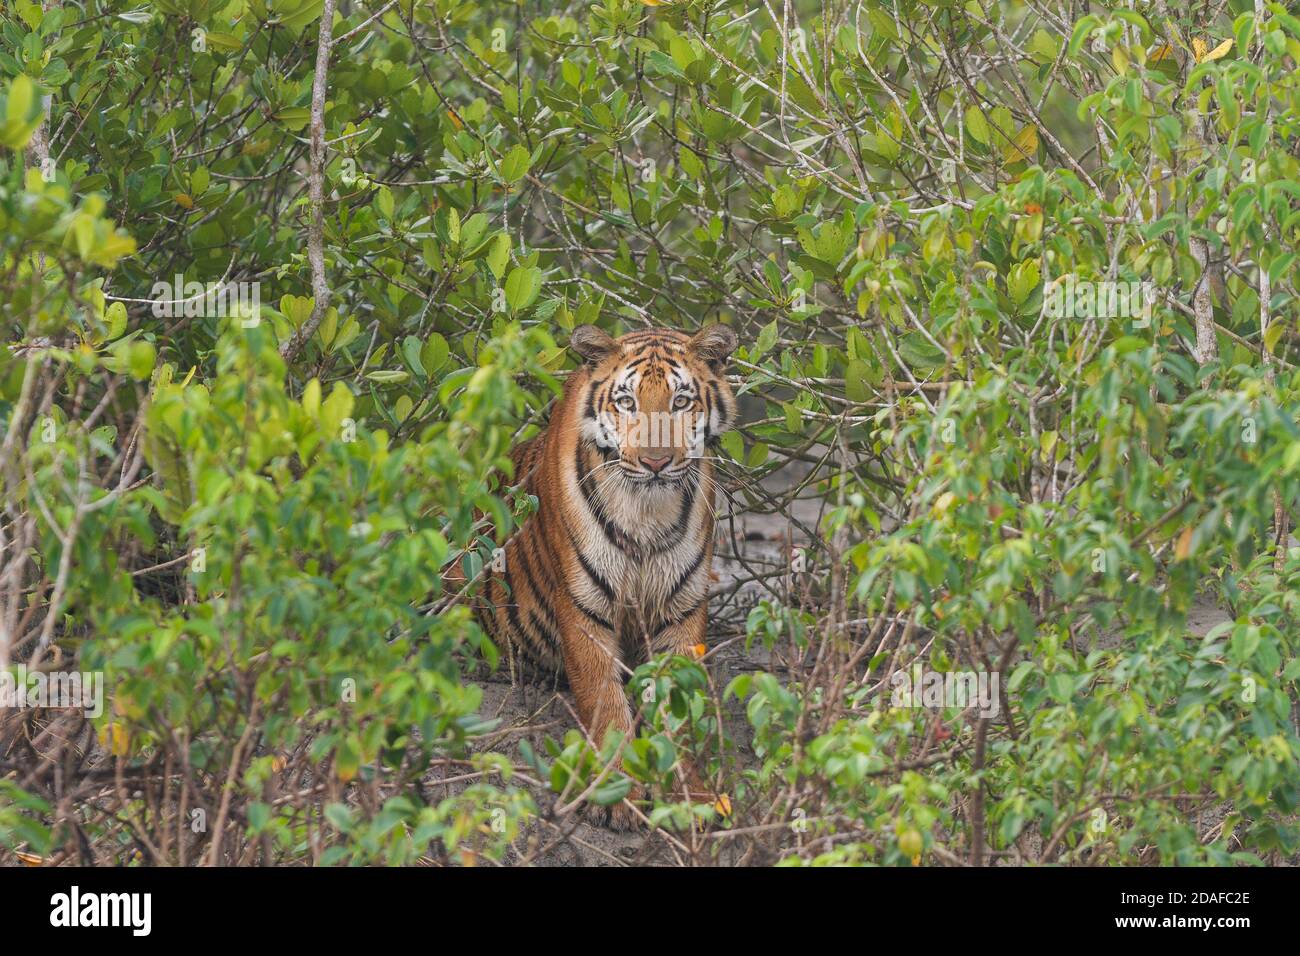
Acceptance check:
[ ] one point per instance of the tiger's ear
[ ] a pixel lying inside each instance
(591, 343)
(714, 343)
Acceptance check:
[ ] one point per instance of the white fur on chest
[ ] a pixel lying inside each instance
(643, 583)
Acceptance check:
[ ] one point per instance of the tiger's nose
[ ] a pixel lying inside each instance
(657, 464)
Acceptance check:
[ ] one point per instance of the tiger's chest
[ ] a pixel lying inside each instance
(651, 549)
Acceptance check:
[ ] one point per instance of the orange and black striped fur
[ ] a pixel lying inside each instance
(614, 565)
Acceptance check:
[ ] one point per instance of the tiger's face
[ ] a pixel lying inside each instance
(655, 399)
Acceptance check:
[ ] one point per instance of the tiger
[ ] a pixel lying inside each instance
(614, 563)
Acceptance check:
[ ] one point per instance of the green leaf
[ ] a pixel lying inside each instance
(857, 381)
(140, 360)
(612, 791)
(763, 344)
(434, 354)
(115, 319)
(22, 113)
(1022, 281)
(515, 165)
(303, 14)
(498, 256)
(411, 352)
(293, 117)
(522, 286)
(472, 230)
(296, 308)
(919, 352)
(339, 816)
(21, 105)
(660, 62)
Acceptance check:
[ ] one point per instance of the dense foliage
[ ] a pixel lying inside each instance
(917, 214)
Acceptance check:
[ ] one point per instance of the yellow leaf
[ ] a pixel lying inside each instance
(124, 705)
(311, 398)
(1119, 57)
(115, 739)
(1273, 336)
(1198, 49)
(456, 121)
(1218, 53)
(723, 805)
(943, 503)
(911, 843)
(1184, 547)
(1023, 148)
(184, 201)
(552, 358)
(28, 859)
(1160, 53)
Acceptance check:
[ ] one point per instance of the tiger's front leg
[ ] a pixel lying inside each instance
(685, 637)
(593, 663)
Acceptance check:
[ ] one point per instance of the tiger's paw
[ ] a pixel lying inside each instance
(620, 818)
